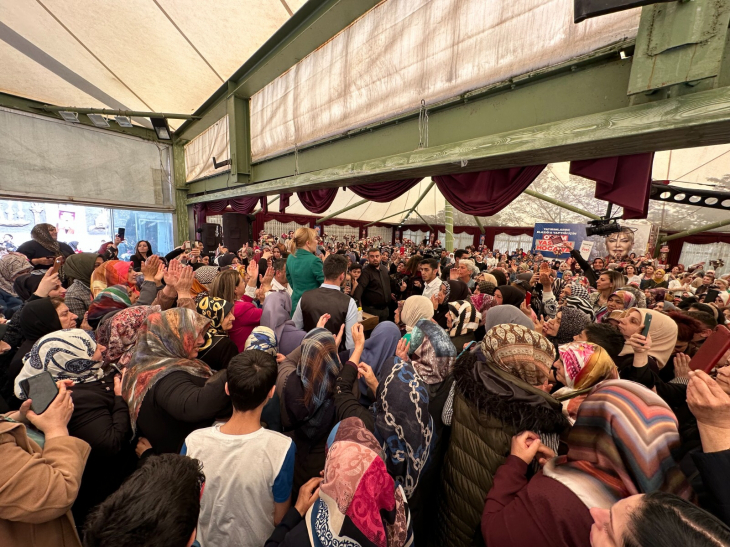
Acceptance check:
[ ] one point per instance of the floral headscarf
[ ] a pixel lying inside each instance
(263, 339)
(621, 444)
(403, 423)
(359, 503)
(431, 351)
(111, 272)
(42, 234)
(119, 333)
(520, 351)
(108, 300)
(66, 354)
(12, 266)
(165, 343)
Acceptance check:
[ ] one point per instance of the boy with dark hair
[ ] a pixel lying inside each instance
(605, 335)
(249, 469)
(157, 505)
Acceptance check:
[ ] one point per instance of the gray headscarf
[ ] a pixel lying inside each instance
(505, 314)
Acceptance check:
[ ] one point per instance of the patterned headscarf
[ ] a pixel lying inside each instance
(431, 351)
(165, 343)
(215, 309)
(620, 445)
(519, 351)
(572, 323)
(12, 266)
(108, 274)
(108, 300)
(403, 423)
(206, 274)
(638, 295)
(264, 339)
(358, 497)
(655, 296)
(414, 309)
(80, 267)
(581, 304)
(318, 367)
(578, 290)
(464, 318)
(119, 333)
(628, 300)
(66, 354)
(42, 234)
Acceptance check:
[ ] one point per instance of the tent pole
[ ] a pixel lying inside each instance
(562, 204)
(333, 215)
(385, 218)
(449, 226)
(424, 221)
(257, 211)
(693, 231)
(479, 223)
(418, 201)
(110, 112)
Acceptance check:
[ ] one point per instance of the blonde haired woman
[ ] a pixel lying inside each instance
(303, 267)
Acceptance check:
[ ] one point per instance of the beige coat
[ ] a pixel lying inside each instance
(38, 488)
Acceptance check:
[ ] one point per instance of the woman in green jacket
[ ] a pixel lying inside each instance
(303, 267)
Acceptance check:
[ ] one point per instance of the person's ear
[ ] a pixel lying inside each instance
(226, 388)
(192, 538)
(272, 391)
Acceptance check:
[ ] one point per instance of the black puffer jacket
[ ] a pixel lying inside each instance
(490, 406)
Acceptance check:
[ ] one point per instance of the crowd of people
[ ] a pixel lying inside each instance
(236, 398)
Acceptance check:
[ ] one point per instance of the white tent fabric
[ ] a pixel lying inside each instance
(692, 168)
(149, 55)
(403, 52)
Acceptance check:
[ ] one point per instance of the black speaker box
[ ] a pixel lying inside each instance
(211, 236)
(237, 230)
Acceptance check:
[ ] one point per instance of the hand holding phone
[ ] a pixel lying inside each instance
(41, 389)
(647, 325)
(712, 351)
(57, 263)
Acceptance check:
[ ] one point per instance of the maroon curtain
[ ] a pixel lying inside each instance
(622, 180)
(216, 207)
(264, 204)
(317, 201)
(488, 192)
(284, 201)
(199, 214)
(245, 206)
(383, 192)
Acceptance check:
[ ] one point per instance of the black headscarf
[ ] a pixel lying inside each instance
(226, 260)
(26, 285)
(499, 276)
(511, 296)
(459, 290)
(38, 318)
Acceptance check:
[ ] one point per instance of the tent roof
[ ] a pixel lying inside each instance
(705, 168)
(147, 55)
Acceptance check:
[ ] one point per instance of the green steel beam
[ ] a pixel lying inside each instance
(448, 227)
(239, 131)
(181, 208)
(35, 107)
(268, 202)
(562, 204)
(693, 231)
(418, 202)
(110, 112)
(479, 223)
(316, 22)
(424, 220)
(386, 218)
(343, 210)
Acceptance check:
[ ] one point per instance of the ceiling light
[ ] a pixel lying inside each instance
(98, 120)
(72, 117)
(123, 121)
(162, 129)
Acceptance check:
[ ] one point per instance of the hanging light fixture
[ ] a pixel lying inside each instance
(98, 120)
(69, 116)
(123, 121)
(161, 128)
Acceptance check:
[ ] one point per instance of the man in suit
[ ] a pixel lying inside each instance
(373, 289)
(329, 299)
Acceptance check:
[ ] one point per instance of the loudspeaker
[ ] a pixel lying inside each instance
(211, 235)
(237, 230)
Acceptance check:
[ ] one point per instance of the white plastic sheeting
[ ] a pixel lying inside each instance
(380, 231)
(46, 159)
(277, 228)
(404, 51)
(694, 254)
(199, 152)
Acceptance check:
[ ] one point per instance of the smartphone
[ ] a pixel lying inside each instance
(647, 324)
(712, 350)
(187, 246)
(41, 389)
(120, 233)
(528, 297)
(57, 266)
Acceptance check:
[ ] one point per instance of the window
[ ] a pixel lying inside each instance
(461, 240)
(693, 254)
(385, 233)
(507, 243)
(276, 228)
(341, 231)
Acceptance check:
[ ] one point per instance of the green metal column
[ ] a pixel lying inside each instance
(181, 194)
(449, 226)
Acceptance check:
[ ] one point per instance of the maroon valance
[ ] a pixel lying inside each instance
(486, 193)
(317, 201)
(622, 180)
(284, 201)
(383, 192)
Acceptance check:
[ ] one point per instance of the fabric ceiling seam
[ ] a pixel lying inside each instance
(287, 8)
(187, 40)
(94, 56)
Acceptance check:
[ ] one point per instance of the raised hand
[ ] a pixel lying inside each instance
(185, 282)
(172, 274)
(323, 320)
(149, 268)
(365, 371)
(402, 348)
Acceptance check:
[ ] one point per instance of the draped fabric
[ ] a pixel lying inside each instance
(383, 192)
(622, 180)
(284, 201)
(318, 201)
(486, 193)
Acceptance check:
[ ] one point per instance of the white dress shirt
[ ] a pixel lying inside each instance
(431, 288)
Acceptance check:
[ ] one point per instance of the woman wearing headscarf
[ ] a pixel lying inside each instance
(505, 314)
(44, 246)
(638, 295)
(109, 300)
(450, 291)
(618, 301)
(359, 503)
(463, 322)
(12, 266)
(654, 296)
(493, 401)
(305, 385)
(169, 392)
(276, 314)
(100, 416)
(111, 273)
(118, 332)
(581, 366)
(568, 323)
(621, 445)
(507, 294)
(415, 308)
(218, 349)
(78, 270)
